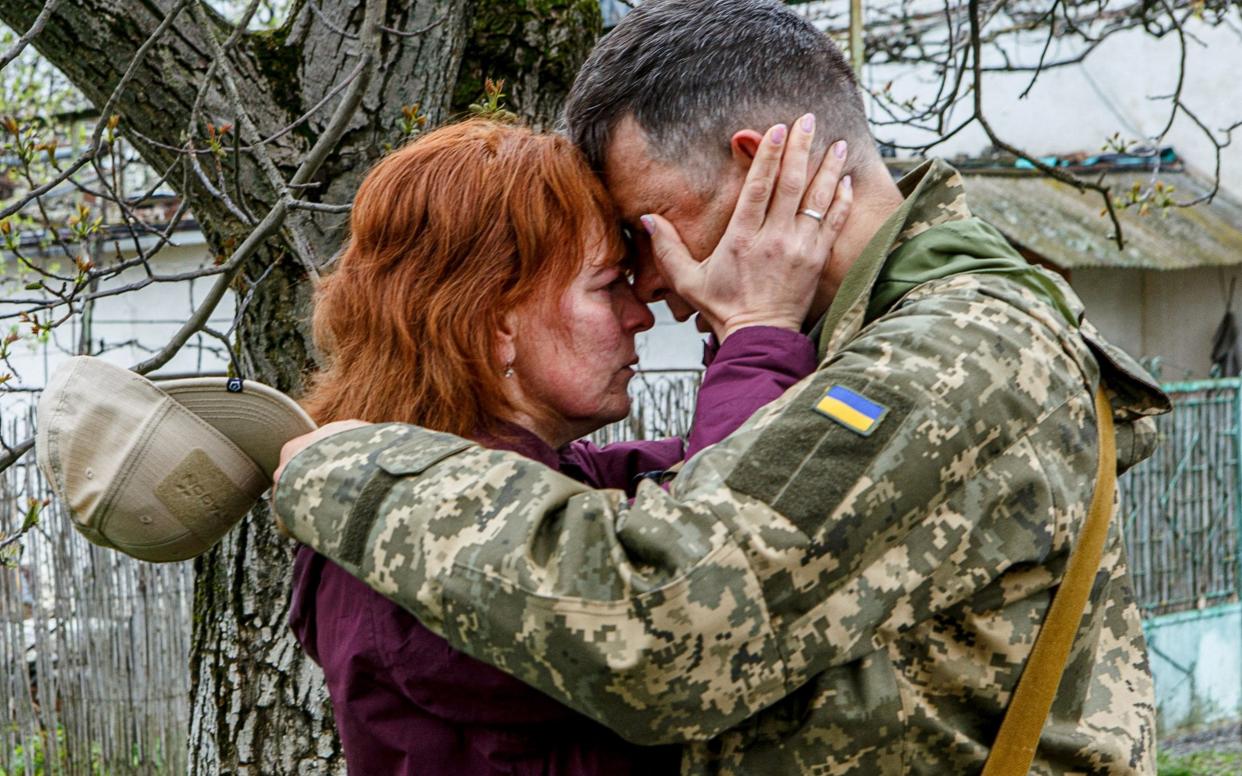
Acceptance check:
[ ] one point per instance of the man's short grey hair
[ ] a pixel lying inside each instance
(693, 72)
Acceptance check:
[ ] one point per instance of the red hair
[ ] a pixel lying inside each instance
(448, 235)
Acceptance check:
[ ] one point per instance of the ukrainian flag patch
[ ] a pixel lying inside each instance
(851, 409)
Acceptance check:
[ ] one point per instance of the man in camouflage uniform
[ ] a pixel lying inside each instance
(852, 582)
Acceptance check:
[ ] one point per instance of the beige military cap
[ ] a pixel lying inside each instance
(159, 471)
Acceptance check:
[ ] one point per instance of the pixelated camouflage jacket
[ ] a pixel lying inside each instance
(803, 598)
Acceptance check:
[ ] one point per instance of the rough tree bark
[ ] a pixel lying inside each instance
(258, 704)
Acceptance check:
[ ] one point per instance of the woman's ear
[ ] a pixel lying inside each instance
(506, 340)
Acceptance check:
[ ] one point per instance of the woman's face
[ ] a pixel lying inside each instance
(573, 358)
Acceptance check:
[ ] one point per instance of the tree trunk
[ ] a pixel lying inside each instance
(258, 703)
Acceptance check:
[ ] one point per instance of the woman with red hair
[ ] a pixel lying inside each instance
(483, 292)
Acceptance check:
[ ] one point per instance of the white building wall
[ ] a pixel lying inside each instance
(1113, 301)
(132, 326)
(1114, 90)
(1170, 316)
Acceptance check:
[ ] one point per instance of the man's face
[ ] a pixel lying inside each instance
(640, 184)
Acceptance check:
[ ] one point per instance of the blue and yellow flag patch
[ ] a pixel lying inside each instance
(851, 409)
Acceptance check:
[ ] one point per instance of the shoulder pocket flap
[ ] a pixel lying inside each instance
(809, 459)
(420, 455)
(1135, 392)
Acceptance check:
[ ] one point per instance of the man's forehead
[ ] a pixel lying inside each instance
(638, 182)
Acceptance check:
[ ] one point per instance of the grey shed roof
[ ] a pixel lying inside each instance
(1065, 227)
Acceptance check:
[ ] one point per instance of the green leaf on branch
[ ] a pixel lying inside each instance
(412, 120)
(10, 547)
(10, 551)
(33, 507)
(492, 104)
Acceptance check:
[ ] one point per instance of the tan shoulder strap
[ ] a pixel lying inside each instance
(1015, 744)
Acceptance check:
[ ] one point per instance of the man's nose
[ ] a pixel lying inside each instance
(649, 284)
(651, 287)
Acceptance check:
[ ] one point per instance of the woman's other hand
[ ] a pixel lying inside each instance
(767, 267)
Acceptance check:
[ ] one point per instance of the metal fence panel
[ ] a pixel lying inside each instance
(1181, 506)
(663, 406)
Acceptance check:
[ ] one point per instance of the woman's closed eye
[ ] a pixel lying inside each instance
(609, 279)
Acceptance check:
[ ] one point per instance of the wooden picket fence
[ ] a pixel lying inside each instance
(93, 644)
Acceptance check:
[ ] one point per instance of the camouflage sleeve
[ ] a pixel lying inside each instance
(796, 544)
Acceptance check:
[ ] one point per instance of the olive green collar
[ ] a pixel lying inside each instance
(934, 194)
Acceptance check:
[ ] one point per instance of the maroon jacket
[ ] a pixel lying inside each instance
(408, 703)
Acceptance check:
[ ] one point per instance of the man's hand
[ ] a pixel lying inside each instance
(767, 267)
(297, 445)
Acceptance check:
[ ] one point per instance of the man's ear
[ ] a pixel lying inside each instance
(745, 144)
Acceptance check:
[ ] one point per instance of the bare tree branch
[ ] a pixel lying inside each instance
(266, 228)
(1052, 172)
(310, 165)
(248, 130)
(13, 453)
(40, 21)
(97, 135)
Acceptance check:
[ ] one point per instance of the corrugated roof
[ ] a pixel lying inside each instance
(1066, 228)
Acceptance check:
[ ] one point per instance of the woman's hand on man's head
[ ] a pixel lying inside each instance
(297, 445)
(768, 265)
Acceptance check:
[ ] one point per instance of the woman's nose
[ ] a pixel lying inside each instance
(638, 316)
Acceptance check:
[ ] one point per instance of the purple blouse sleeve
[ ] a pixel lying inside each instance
(751, 368)
(619, 464)
(754, 366)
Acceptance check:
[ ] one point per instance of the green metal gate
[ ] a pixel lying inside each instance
(1183, 515)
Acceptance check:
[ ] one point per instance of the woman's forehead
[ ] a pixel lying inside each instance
(607, 246)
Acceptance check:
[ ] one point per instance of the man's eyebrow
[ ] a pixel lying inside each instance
(631, 220)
